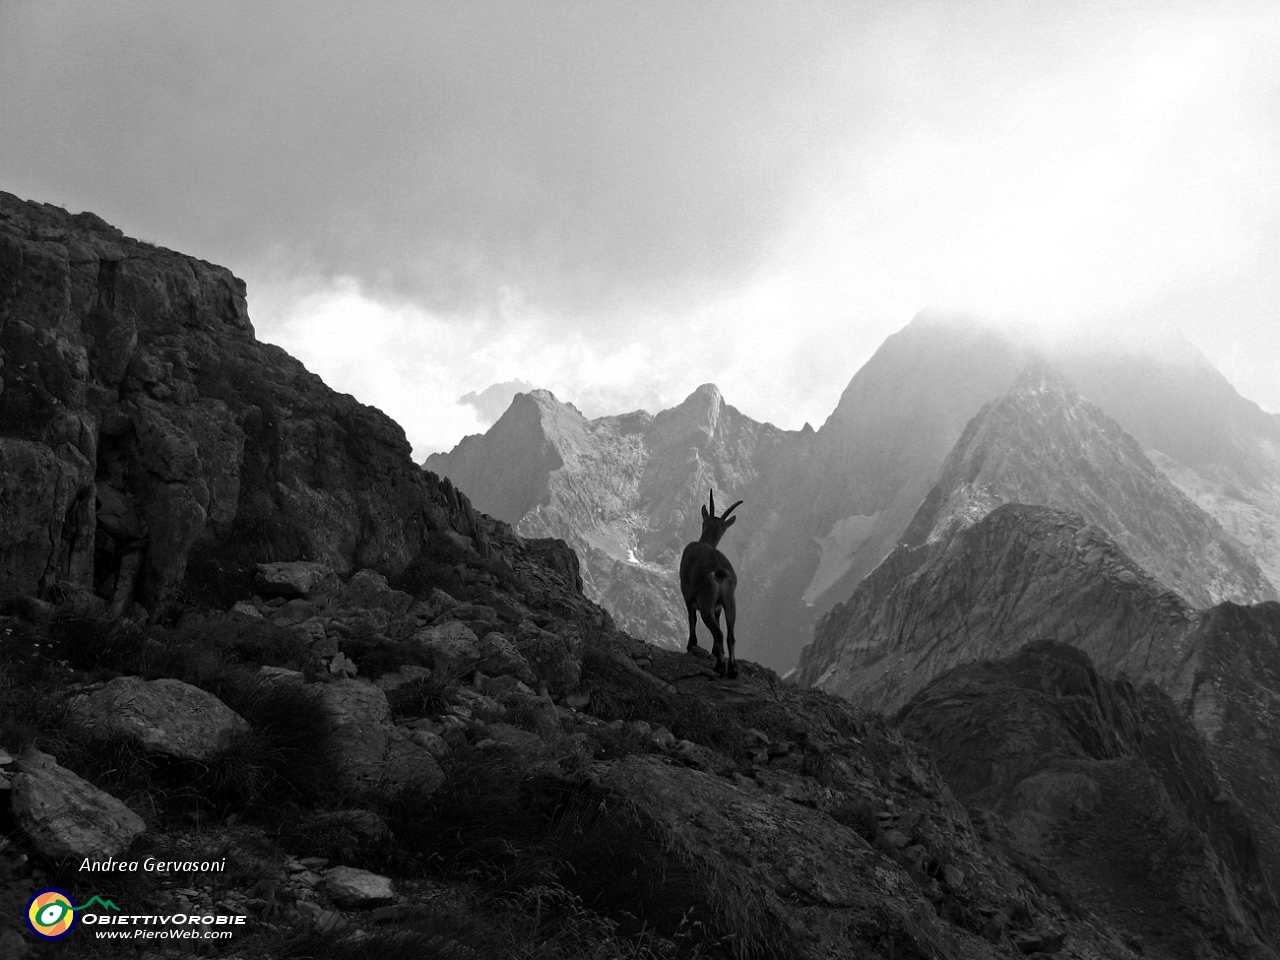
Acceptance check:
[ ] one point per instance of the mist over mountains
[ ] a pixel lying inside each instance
(1154, 445)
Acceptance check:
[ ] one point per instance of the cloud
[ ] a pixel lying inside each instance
(623, 201)
(492, 402)
(593, 158)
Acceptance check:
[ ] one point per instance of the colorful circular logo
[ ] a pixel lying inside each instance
(50, 913)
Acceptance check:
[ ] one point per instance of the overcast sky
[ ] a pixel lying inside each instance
(621, 201)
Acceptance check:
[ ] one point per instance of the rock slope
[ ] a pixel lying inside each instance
(1111, 787)
(1021, 573)
(1033, 573)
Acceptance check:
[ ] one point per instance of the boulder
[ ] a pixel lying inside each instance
(499, 656)
(66, 816)
(378, 604)
(451, 645)
(295, 579)
(350, 887)
(164, 716)
(554, 658)
(369, 752)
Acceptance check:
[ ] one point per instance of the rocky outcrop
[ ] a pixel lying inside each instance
(151, 448)
(369, 751)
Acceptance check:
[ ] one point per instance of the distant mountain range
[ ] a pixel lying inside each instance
(952, 413)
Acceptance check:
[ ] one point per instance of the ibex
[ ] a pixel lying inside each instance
(707, 581)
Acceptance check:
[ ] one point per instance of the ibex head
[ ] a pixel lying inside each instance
(713, 527)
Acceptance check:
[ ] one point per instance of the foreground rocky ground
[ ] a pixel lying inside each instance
(493, 770)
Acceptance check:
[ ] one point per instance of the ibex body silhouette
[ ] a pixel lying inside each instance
(707, 582)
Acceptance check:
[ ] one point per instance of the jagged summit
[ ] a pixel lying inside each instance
(696, 419)
(625, 492)
(1044, 443)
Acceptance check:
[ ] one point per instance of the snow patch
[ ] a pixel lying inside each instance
(836, 551)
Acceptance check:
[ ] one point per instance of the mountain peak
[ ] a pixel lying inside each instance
(1039, 377)
(698, 414)
(707, 393)
(1043, 443)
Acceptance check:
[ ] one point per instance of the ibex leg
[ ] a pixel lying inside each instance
(730, 615)
(711, 617)
(693, 626)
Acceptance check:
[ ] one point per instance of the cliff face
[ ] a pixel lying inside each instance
(150, 445)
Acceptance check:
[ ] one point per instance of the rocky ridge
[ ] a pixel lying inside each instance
(1025, 573)
(1020, 573)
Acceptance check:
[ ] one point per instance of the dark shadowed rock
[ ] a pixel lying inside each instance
(1110, 786)
(66, 816)
(290, 580)
(162, 716)
(368, 750)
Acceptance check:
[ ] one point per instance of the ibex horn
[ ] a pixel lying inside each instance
(730, 510)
